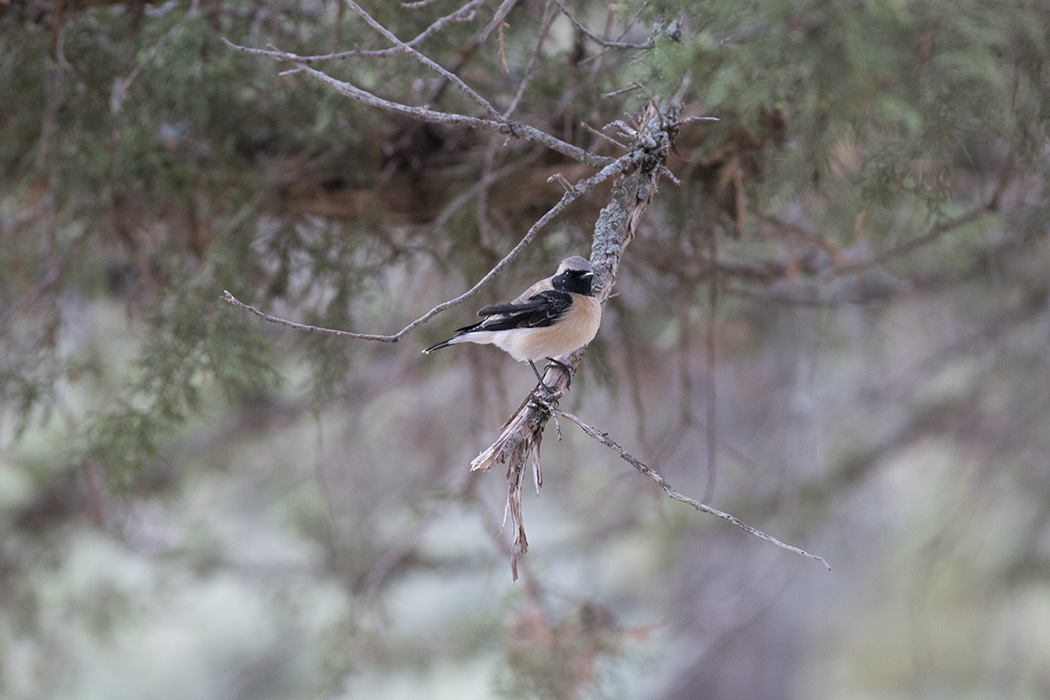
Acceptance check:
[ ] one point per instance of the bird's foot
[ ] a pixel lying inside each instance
(551, 362)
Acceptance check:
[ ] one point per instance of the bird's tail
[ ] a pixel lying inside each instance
(438, 346)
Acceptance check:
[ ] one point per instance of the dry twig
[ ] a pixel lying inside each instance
(672, 493)
(508, 127)
(601, 41)
(463, 14)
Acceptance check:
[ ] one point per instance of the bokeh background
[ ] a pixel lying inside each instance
(834, 326)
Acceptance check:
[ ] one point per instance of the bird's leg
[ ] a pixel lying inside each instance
(551, 362)
(537, 373)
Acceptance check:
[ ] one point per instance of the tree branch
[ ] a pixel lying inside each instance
(601, 41)
(406, 49)
(463, 14)
(500, 125)
(645, 470)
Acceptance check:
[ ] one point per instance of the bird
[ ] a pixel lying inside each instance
(555, 316)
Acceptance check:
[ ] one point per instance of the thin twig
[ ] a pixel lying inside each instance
(227, 297)
(560, 179)
(432, 65)
(690, 120)
(644, 469)
(463, 14)
(622, 146)
(630, 88)
(508, 127)
(601, 41)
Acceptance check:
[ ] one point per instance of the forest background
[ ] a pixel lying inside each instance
(830, 319)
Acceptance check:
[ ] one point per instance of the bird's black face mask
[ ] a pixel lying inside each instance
(574, 282)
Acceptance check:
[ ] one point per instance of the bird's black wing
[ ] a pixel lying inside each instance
(537, 311)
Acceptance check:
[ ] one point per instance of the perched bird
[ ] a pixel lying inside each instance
(552, 317)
